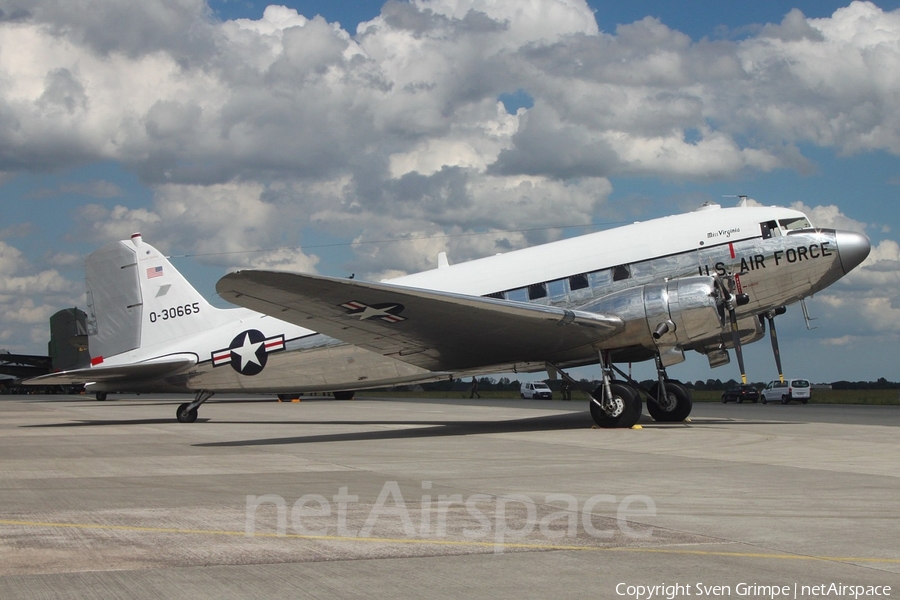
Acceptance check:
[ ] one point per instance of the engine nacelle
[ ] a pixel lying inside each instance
(677, 314)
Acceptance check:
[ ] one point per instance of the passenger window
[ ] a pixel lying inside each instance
(537, 291)
(519, 295)
(497, 295)
(578, 282)
(621, 273)
(557, 289)
(601, 278)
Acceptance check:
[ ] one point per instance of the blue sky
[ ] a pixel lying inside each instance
(237, 137)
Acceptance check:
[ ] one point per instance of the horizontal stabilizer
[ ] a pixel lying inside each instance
(439, 331)
(108, 374)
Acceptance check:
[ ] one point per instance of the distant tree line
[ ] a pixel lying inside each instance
(505, 384)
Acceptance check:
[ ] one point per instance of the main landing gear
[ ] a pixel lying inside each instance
(618, 404)
(668, 400)
(187, 412)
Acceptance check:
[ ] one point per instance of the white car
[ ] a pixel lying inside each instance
(535, 389)
(787, 390)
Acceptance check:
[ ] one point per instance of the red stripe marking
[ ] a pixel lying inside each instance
(96, 360)
(731, 249)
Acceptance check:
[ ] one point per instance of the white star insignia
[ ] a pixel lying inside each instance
(370, 312)
(247, 352)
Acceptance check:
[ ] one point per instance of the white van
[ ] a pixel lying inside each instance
(787, 390)
(535, 389)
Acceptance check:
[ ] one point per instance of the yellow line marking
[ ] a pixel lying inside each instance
(470, 543)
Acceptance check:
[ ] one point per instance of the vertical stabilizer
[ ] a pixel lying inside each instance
(68, 340)
(138, 300)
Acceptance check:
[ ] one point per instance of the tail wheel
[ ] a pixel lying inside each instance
(626, 406)
(101, 396)
(675, 406)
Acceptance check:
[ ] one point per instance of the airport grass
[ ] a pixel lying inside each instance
(872, 397)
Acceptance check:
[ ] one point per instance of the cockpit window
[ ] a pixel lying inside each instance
(795, 223)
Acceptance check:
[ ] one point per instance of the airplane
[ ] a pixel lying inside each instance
(66, 350)
(707, 281)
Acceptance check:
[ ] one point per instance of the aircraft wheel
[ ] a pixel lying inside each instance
(101, 396)
(627, 409)
(676, 405)
(184, 415)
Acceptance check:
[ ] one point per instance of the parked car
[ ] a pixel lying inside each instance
(739, 393)
(787, 390)
(535, 389)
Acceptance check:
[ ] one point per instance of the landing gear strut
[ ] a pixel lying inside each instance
(614, 403)
(187, 412)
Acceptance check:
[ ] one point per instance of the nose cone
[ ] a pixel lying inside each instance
(853, 248)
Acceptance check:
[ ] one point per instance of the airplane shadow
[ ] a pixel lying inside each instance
(428, 429)
(410, 430)
(421, 429)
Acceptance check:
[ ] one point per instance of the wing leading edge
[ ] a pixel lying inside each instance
(439, 331)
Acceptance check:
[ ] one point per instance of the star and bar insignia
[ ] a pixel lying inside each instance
(385, 312)
(248, 352)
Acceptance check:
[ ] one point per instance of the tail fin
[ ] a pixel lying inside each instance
(68, 340)
(137, 300)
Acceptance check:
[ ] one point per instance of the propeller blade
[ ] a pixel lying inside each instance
(736, 340)
(774, 336)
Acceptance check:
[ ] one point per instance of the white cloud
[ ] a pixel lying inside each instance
(250, 132)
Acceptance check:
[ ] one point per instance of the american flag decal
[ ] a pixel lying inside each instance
(154, 272)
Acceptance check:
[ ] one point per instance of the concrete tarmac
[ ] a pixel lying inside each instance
(397, 498)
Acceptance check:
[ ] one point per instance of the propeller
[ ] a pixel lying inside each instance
(770, 316)
(730, 302)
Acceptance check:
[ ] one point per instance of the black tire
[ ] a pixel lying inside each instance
(723, 399)
(184, 415)
(629, 406)
(343, 395)
(764, 400)
(785, 399)
(679, 403)
(740, 400)
(101, 396)
(804, 401)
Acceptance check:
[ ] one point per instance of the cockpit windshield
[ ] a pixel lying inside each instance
(795, 223)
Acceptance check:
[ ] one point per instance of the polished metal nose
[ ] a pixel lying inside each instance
(853, 248)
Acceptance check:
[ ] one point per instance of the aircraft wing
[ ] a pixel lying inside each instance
(23, 365)
(125, 373)
(439, 331)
